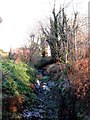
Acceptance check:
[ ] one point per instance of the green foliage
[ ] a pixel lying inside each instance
(44, 62)
(44, 79)
(16, 77)
(41, 63)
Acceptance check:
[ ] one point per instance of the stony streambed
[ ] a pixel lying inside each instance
(48, 98)
(47, 101)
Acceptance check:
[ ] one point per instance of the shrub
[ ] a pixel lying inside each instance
(16, 80)
(16, 77)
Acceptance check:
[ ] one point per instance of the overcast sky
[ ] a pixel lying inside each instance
(21, 16)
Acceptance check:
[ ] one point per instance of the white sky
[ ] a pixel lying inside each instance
(21, 16)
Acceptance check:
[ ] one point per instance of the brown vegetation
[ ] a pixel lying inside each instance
(79, 77)
(13, 103)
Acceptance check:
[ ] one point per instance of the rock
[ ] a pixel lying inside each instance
(30, 115)
(27, 114)
(51, 83)
(36, 114)
(64, 84)
(45, 87)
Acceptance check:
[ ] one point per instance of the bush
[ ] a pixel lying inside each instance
(16, 77)
(16, 80)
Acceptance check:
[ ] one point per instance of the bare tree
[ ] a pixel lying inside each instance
(36, 44)
(60, 34)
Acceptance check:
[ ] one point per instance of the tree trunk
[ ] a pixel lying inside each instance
(54, 53)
